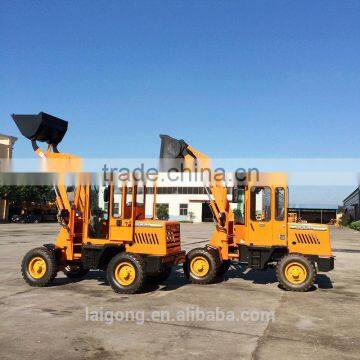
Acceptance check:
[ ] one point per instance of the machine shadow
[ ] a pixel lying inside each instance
(91, 275)
(178, 279)
(323, 282)
(267, 276)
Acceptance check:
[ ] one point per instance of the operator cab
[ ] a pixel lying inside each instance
(116, 206)
(261, 211)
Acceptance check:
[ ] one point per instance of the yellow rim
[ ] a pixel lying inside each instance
(199, 266)
(295, 273)
(37, 267)
(125, 273)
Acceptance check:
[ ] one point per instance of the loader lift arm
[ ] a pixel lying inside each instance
(50, 129)
(177, 154)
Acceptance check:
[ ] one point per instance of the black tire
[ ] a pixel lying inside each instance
(161, 276)
(140, 276)
(305, 263)
(223, 267)
(51, 267)
(75, 272)
(211, 257)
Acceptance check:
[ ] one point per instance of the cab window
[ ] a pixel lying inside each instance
(140, 196)
(279, 204)
(260, 203)
(98, 218)
(117, 202)
(239, 200)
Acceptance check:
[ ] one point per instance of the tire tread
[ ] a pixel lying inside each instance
(139, 263)
(214, 260)
(281, 277)
(50, 259)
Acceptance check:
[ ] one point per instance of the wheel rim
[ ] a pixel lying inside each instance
(295, 273)
(37, 267)
(125, 273)
(199, 266)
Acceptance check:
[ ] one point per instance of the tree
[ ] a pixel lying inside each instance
(162, 212)
(26, 196)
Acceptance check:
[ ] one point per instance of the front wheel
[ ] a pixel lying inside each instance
(126, 273)
(201, 266)
(39, 267)
(295, 272)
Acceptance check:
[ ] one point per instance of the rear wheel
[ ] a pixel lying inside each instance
(39, 267)
(126, 273)
(201, 266)
(75, 271)
(295, 272)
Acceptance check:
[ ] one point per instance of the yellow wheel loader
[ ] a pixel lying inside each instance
(105, 230)
(260, 235)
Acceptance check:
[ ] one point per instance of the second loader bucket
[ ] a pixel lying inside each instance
(41, 127)
(172, 153)
(171, 148)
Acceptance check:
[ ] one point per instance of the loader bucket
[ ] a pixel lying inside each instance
(41, 127)
(171, 148)
(172, 152)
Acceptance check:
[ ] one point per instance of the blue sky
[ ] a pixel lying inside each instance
(233, 78)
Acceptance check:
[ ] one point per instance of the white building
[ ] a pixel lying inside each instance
(185, 198)
(6, 150)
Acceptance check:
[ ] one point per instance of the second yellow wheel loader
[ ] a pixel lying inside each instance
(260, 235)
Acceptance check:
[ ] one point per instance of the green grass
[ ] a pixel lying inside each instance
(355, 225)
